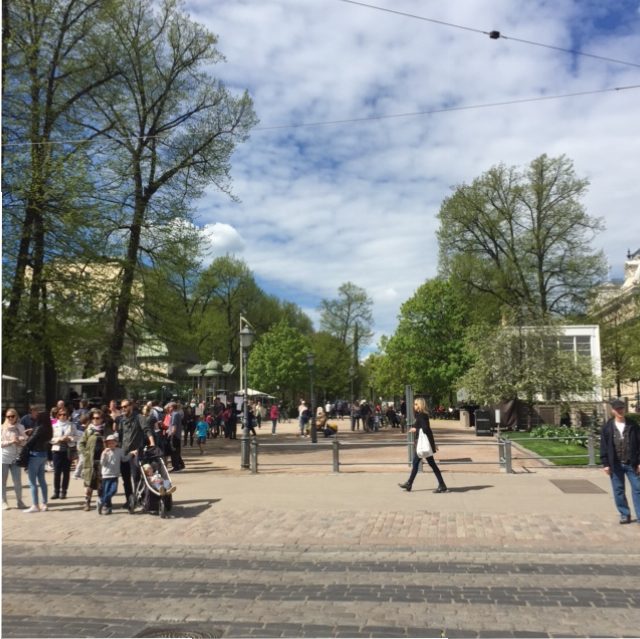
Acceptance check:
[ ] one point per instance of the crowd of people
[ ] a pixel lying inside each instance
(104, 444)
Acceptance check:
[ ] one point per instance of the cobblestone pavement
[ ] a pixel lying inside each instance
(235, 591)
(299, 554)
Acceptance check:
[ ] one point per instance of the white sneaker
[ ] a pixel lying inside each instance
(5, 505)
(32, 509)
(44, 508)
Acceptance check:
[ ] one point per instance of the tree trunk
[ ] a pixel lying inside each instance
(116, 343)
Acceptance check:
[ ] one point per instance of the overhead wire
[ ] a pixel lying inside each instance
(369, 118)
(467, 107)
(493, 34)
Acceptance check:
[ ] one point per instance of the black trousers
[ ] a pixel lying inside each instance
(434, 467)
(130, 475)
(61, 470)
(174, 448)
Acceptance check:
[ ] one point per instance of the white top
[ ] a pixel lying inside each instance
(12, 436)
(63, 429)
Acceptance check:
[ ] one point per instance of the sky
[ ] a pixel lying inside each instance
(323, 204)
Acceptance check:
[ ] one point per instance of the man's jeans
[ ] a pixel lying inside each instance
(618, 472)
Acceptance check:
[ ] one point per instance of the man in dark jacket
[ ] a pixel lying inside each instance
(620, 455)
(135, 432)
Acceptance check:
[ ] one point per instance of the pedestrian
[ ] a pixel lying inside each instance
(38, 445)
(620, 455)
(202, 429)
(174, 435)
(422, 423)
(135, 432)
(189, 426)
(111, 462)
(90, 447)
(64, 442)
(274, 415)
(13, 439)
(303, 417)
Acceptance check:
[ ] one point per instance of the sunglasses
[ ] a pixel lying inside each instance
(62, 414)
(12, 416)
(125, 405)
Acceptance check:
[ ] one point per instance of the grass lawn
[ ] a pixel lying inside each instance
(548, 448)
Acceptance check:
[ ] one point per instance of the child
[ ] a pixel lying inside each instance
(110, 461)
(202, 428)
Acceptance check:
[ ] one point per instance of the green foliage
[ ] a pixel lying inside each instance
(522, 238)
(522, 362)
(571, 453)
(349, 317)
(563, 434)
(331, 366)
(620, 345)
(428, 349)
(278, 361)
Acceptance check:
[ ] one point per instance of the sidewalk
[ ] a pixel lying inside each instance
(309, 505)
(299, 551)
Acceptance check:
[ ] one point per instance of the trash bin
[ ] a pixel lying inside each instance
(465, 418)
(483, 423)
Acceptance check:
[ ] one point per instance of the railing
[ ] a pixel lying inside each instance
(590, 455)
(504, 453)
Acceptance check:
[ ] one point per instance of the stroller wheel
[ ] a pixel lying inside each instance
(132, 504)
(162, 509)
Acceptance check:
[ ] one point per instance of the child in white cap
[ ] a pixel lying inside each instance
(110, 461)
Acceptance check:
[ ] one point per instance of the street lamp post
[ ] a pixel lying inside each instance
(246, 339)
(314, 434)
(352, 372)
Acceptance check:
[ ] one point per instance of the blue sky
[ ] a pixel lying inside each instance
(322, 205)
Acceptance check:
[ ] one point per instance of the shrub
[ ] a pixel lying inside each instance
(563, 434)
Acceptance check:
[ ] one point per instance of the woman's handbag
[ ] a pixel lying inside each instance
(23, 457)
(423, 449)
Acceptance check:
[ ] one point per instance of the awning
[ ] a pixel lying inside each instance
(251, 392)
(126, 374)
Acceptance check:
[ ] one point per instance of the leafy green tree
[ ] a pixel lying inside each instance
(50, 66)
(227, 289)
(428, 349)
(331, 366)
(174, 301)
(349, 317)
(171, 130)
(524, 363)
(278, 361)
(523, 238)
(620, 346)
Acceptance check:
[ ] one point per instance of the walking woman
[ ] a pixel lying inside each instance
(38, 444)
(422, 423)
(13, 438)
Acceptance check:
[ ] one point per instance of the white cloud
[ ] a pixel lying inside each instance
(223, 238)
(359, 201)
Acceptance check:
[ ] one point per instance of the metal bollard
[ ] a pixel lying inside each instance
(591, 448)
(244, 449)
(254, 456)
(410, 448)
(336, 455)
(508, 468)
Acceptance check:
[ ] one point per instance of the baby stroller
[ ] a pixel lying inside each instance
(154, 490)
